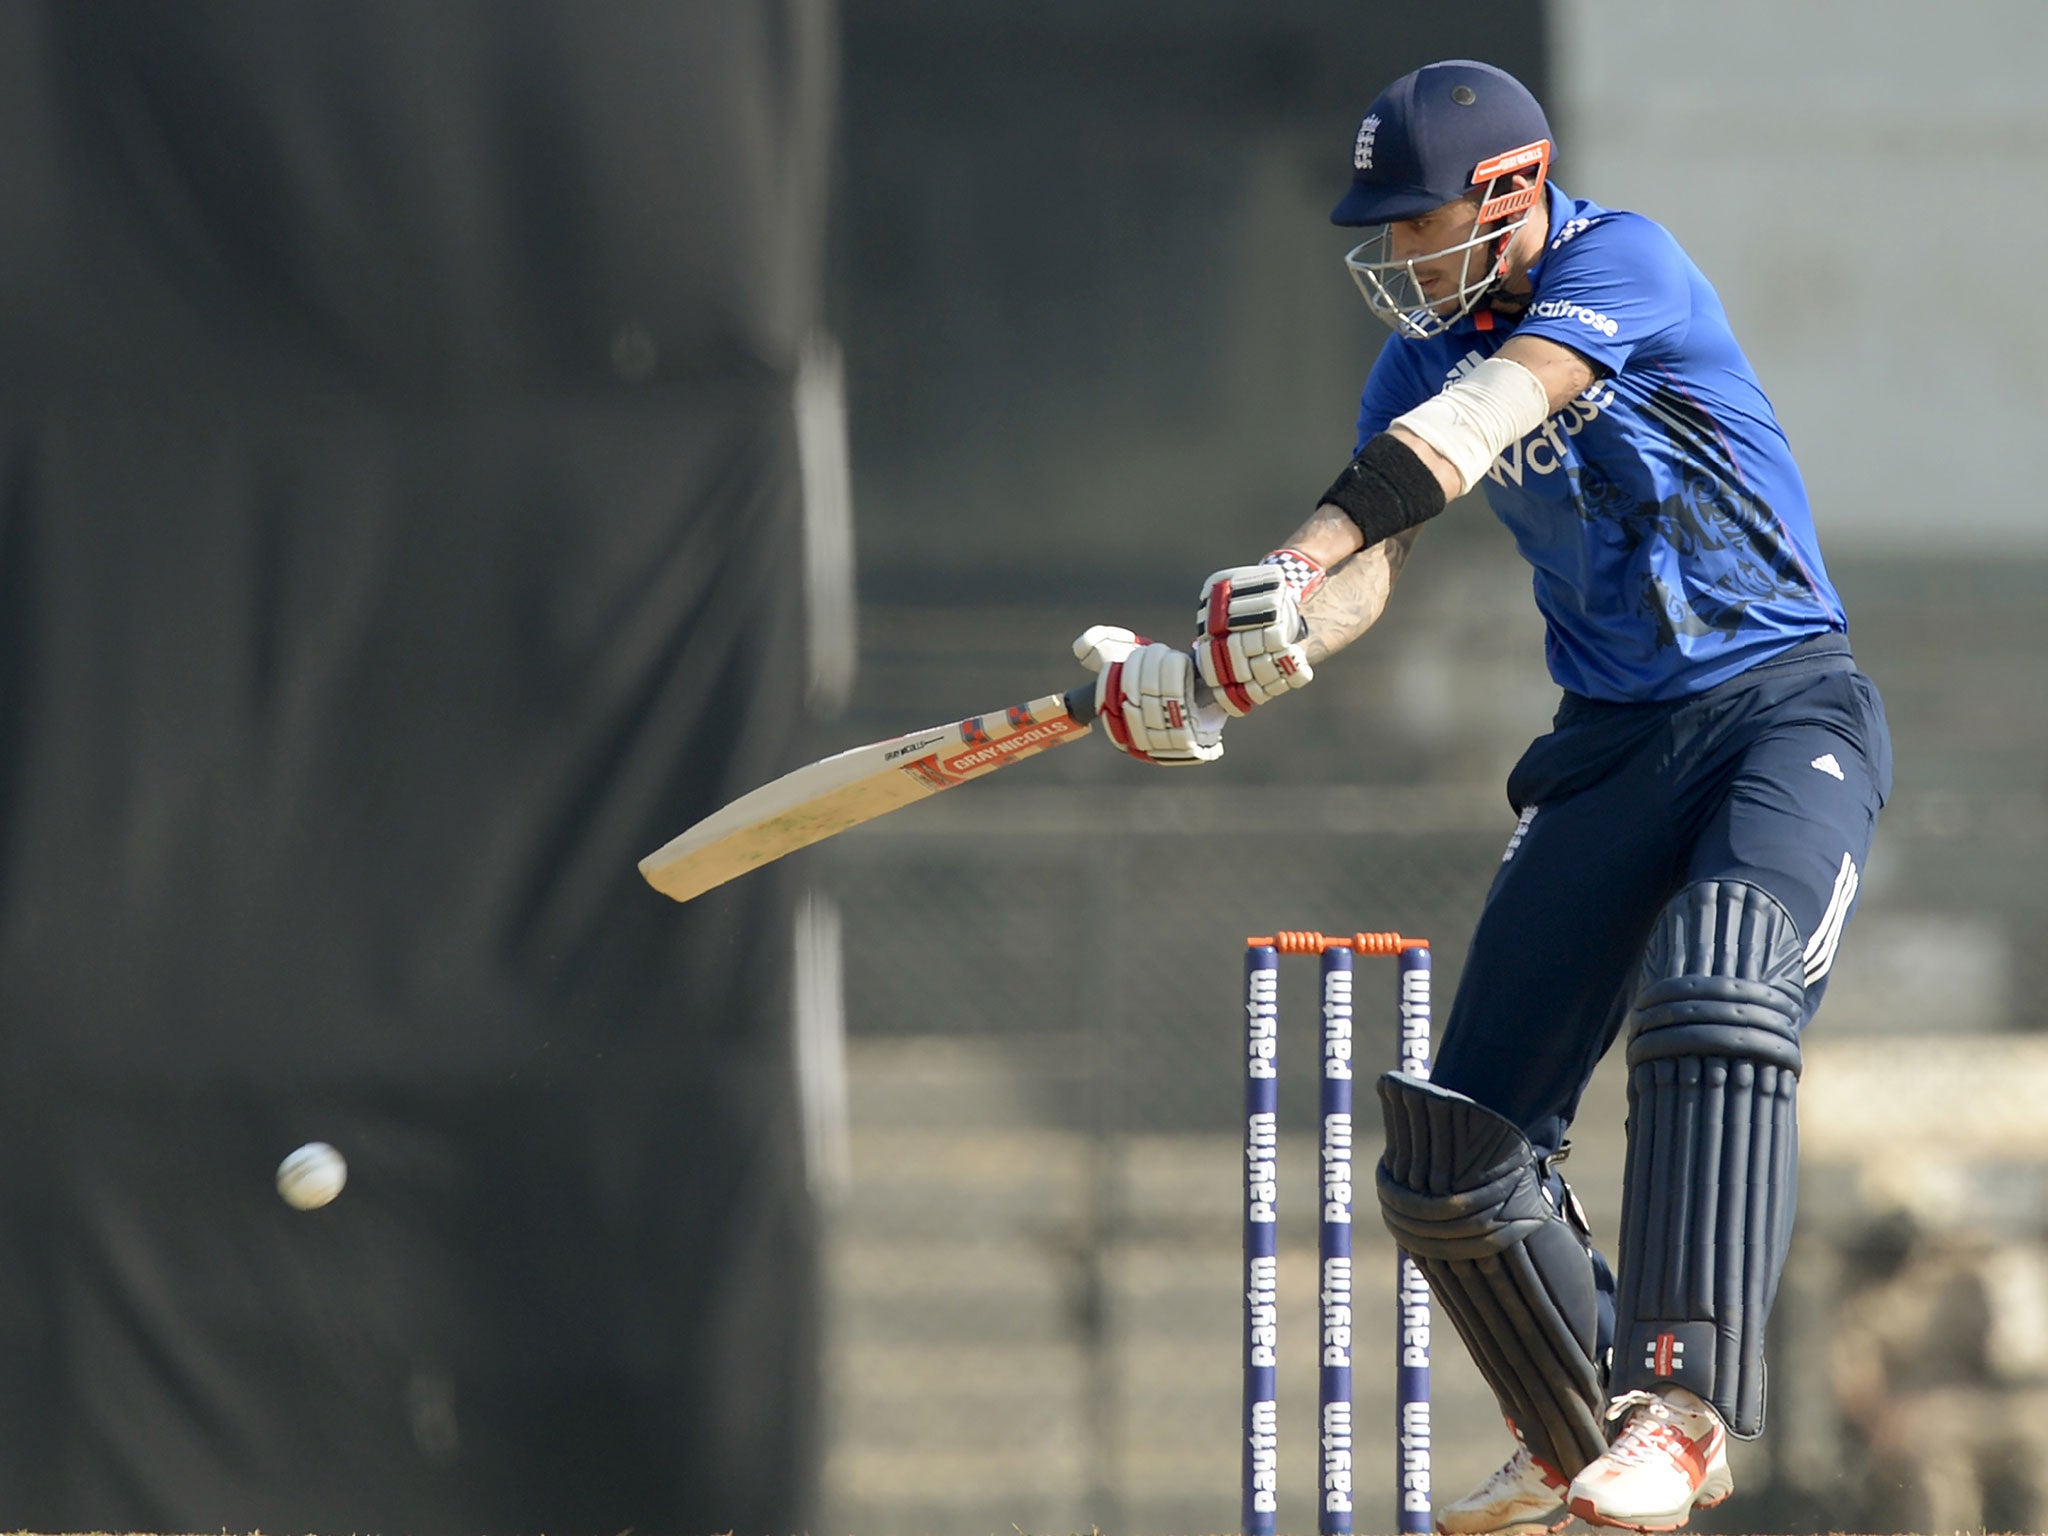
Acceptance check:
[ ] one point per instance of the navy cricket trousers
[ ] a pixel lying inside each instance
(1774, 777)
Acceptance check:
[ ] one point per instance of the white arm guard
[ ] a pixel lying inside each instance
(1472, 421)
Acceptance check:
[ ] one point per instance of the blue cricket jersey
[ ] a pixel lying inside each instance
(1662, 511)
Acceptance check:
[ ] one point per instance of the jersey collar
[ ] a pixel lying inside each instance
(1558, 204)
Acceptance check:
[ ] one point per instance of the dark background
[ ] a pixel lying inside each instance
(395, 434)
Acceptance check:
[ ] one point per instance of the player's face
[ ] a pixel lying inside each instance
(1430, 246)
(1422, 274)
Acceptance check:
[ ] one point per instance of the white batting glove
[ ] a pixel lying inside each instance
(1145, 699)
(1249, 630)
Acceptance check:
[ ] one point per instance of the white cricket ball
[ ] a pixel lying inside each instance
(311, 1176)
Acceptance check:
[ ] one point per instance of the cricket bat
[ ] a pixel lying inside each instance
(857, 785)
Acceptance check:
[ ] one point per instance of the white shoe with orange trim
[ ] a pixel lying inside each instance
(1670, 1459)
(1524, 1498)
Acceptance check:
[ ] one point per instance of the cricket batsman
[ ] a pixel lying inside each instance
(1692, 829)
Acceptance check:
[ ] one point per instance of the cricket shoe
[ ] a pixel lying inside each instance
(1670, 1459)
(1524, 1498)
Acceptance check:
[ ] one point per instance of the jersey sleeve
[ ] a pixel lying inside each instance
(1393, 388)
(1611, 289)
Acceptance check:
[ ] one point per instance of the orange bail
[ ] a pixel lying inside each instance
(1309, 942)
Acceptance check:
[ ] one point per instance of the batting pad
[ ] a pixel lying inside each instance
(1461, 1191)
(1707, 1199)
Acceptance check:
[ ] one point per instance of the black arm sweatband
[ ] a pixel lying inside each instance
(1386, 489)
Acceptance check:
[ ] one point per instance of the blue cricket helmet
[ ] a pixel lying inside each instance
(1436, 135)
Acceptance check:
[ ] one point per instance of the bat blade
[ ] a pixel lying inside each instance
(855, 786)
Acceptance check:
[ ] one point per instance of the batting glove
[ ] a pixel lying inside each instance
(1249, 630)
(1145, 699)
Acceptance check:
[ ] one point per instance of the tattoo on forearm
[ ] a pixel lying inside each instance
(1325, 520)
(1351, 599)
